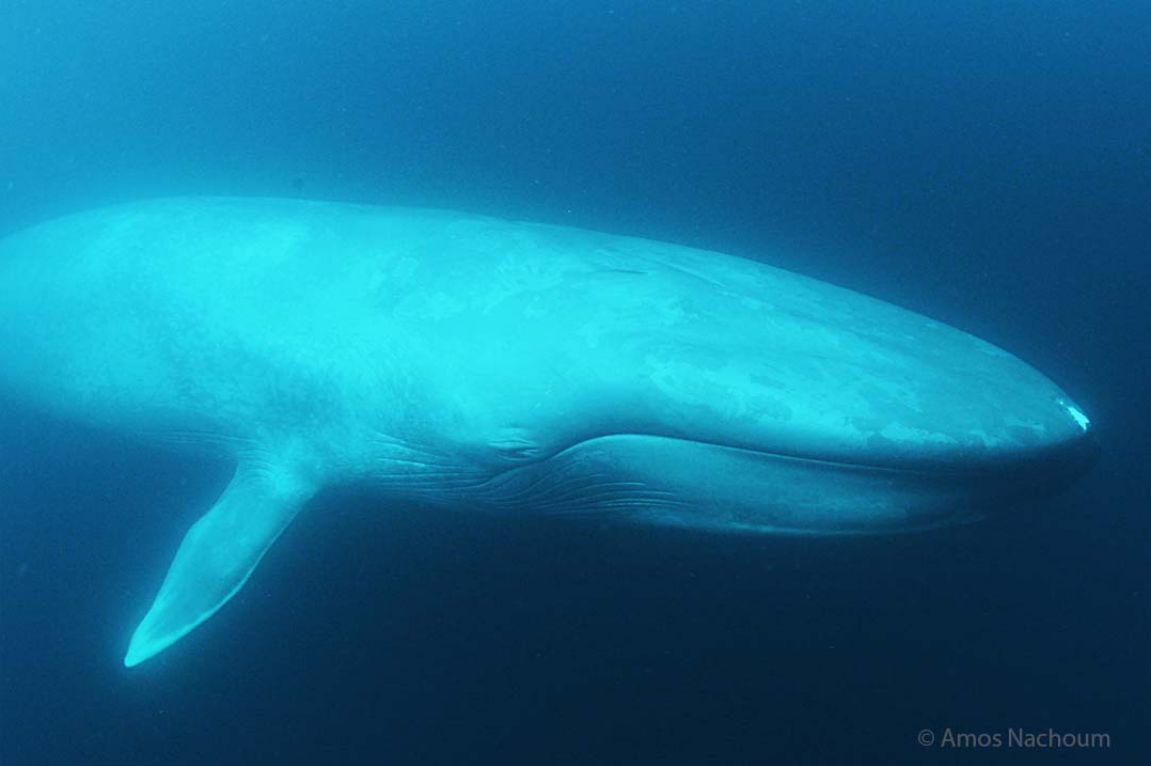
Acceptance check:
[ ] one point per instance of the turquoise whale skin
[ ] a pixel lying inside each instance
(464, 361)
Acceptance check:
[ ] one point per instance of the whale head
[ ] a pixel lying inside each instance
(727, 395)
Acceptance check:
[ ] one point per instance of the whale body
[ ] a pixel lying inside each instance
(476, 363)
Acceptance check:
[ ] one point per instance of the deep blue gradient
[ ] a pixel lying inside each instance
(987, 163)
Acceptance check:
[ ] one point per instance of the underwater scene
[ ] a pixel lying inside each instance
(589, 383)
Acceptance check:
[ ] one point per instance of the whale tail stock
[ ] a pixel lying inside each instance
(219, 553)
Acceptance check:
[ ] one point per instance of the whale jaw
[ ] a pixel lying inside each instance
(685, 483)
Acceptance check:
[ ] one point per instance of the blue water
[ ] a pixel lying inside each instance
(987, 163)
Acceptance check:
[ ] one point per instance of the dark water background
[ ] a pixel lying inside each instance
(988, 163)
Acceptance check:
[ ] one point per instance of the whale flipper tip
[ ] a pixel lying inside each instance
(144, 646)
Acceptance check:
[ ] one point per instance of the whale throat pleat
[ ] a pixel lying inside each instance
(219, 553)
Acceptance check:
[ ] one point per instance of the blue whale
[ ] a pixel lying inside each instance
(499, 366)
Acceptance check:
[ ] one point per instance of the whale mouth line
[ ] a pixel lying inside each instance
(1078, 452)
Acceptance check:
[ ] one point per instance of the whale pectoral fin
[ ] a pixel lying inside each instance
(218, 554)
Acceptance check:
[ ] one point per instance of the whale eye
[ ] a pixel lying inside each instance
(516, 449)
(520, 453)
